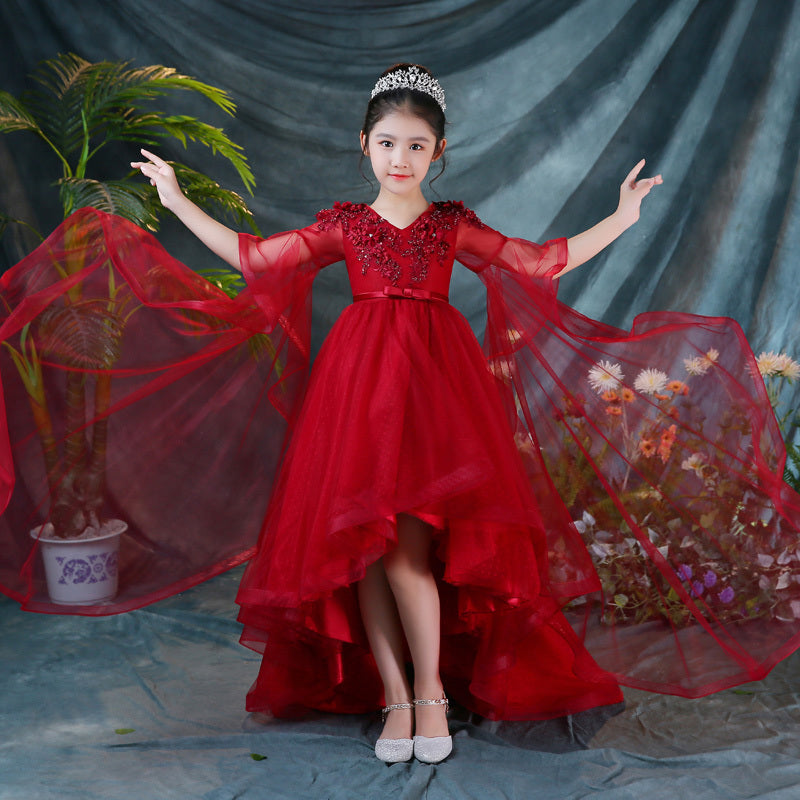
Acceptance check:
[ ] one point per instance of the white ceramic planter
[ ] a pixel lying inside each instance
(81, 571)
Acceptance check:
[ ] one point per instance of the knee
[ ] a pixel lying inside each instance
(410, 560)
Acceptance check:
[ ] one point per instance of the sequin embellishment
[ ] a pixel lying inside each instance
(377, 243)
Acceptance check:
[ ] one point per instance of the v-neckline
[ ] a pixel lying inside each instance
(391, 224)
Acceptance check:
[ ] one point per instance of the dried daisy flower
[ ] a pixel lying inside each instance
(650, 381)
(698, 365)
(768, 363)
(788, 367)
(695, 463)
(605, 376)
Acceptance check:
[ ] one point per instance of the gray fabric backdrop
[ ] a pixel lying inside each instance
(550, 103)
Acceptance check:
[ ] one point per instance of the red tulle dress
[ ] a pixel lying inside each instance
(404, 415)
(607, 506)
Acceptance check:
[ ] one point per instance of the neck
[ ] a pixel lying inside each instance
(400, 205)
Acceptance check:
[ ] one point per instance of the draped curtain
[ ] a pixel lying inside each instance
(549, 103)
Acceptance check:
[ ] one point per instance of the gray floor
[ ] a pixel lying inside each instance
(150, 705)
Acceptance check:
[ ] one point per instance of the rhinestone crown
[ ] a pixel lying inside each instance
(411, 78)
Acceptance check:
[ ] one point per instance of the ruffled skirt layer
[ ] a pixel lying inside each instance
(402, 415)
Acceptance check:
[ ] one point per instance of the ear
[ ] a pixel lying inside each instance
(363, 140)
(440, 150)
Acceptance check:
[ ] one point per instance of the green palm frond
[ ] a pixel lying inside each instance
(791, 472)
(208, 194)
(86, 334)
(229, 281)
(123, 88)
(15, 116)
(77, 107)
(61, 74)
(6, 220)
(151, 128)
(28, 365)
(134, 201)
(107, 97)
(183, 128)
(261, 346)
(58, 103)
(138, 202)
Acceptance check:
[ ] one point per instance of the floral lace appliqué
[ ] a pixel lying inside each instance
(373, 239)
(378, 243)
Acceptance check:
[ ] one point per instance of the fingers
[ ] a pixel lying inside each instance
(644, 185)
(647, 184)
(630, 178)
(154, 158)
(147, 169)
(154, 165)
(161, 175)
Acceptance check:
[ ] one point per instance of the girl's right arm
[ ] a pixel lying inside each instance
(217, 237)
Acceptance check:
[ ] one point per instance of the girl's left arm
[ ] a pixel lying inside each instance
(585, 245)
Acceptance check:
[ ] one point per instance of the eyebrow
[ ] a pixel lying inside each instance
(412, 139)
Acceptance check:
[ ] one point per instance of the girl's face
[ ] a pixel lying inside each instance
(401, 148)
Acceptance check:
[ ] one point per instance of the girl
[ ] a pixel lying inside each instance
(403, 499)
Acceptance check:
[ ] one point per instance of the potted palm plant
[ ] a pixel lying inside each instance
(76, 108)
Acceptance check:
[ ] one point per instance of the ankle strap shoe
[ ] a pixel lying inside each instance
(433, 749)
(393, 750)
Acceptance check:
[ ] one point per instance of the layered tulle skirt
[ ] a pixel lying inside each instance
(403, 415)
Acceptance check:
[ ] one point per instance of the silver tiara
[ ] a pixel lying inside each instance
(411, 78)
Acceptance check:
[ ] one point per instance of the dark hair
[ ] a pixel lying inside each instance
(412, 101)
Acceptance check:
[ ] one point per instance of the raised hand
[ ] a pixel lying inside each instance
(588, 244)
(214, 235)
(162, 176)
(632, 192)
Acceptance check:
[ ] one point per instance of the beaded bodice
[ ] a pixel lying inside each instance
(378, 253)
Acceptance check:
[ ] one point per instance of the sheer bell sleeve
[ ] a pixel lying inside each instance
(279, 272)
(478, 246)
(657, 460)
(135, 390)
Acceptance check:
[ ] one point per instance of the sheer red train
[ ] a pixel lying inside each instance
(592, 491)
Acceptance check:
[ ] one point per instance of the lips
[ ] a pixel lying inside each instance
(399, 177)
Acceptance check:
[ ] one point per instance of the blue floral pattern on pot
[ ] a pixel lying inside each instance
(94, 568)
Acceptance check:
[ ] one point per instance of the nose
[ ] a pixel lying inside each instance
(398, 158)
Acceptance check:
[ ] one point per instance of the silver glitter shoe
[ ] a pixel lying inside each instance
(393, 750)
(432, 749)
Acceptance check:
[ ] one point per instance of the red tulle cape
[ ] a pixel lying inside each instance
(196, 418)
(663, 541)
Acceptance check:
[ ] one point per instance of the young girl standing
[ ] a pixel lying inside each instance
(404, 524)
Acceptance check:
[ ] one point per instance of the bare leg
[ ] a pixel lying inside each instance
(382, 623)
(409, 575)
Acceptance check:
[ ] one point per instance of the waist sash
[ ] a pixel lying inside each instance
(395, 292)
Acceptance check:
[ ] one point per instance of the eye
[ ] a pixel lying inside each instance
(416, 146)
(385, 143)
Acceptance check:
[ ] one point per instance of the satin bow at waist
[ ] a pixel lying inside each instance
(395, 292)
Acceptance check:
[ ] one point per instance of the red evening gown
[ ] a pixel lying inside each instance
(403, 414)
(607, 506)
